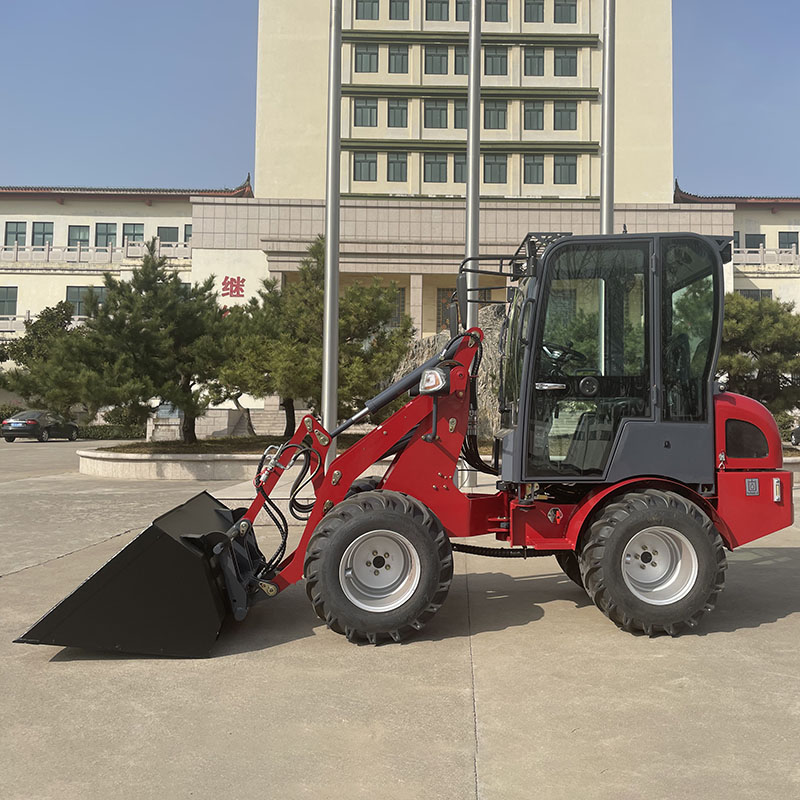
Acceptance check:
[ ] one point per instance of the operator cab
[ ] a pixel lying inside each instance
(608, 360)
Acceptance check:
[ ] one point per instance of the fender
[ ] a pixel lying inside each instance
(579, 520)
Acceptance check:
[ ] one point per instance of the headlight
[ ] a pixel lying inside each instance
(434, 381)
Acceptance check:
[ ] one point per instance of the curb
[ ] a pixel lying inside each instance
(179, 467)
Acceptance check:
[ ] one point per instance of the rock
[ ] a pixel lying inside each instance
(490, 321)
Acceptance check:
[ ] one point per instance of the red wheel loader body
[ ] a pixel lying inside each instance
(617, 448)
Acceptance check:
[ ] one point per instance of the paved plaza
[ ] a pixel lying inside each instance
(519, 688)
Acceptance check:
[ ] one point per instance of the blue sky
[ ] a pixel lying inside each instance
(161, 93)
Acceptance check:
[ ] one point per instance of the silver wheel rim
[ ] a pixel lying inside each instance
(379, 571)
(659, 565)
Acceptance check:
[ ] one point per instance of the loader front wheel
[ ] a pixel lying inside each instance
(378, 567)
(653, 562)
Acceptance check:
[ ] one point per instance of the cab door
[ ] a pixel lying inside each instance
(591, 359)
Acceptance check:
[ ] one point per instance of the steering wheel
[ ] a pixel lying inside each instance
(561, 354)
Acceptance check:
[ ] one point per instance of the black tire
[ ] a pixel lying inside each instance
(44, 435)
(366, 484)
(426, 561)
(73, 434)
(568, 561)
(616, 549)
(9, 438)
(794, 440)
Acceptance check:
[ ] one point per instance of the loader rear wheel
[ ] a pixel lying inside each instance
(378, 567)
(366, 484)
(568, 561)
(653, 562)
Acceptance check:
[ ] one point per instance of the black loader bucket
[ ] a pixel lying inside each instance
(166, 593)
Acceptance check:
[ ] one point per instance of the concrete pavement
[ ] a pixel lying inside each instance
(518, 688)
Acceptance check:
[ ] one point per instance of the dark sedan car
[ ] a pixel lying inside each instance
(41, 425)
(794, 436)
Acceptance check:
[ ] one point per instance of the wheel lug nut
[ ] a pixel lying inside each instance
(641, 566)
(388, 567)
(377, 572)
(644, 547)
(369, 563)
(654, 563)
(386, 555)
(655, 552)
(374, 552)
(636, 555)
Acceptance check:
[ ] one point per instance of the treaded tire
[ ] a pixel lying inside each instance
(44, 436)
(9, 438)
(568, 561)
(340, 528)
(603, 549)
(73, 434)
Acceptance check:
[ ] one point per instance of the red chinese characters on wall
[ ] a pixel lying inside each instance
(232, 286)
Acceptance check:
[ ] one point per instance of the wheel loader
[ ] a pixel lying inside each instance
(618, 453)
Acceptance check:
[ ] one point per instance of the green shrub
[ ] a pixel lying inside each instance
(8, 410)
(786, 423)
(111, 432)
(127, 416)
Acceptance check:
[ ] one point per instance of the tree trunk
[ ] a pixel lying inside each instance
(248, 421)
(288, 408)
(187, 429)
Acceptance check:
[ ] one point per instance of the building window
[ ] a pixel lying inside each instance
(366, 112)
(461, 56)
(365, 166)
(494, 168)
(460, 114)
(398, 58)
(132, 232)
(397, 167)
(366, 58)
(8, 301)
(565, 115)
(167, 234)
(494, 115)
(566, 61)
(77, 295)
(460, 168)
(752, 241)
(496, 11)
(400, 308)
(736, 239)
(495, 61)
(565, 169)
(565, 11)
(786, 240)
(436, 113)
(42, 234)
(187, 233)
(105, 234)
(755, 294)
(15, 234)
(533, 171)
(534, 60)
(366, 9)
(435, 168)
(437, 10)
(398, 9)
(462, 10)
(533, 115)
(398, 113)
(534, 10)
(443, 299)
(435, 60)
(78, 235)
